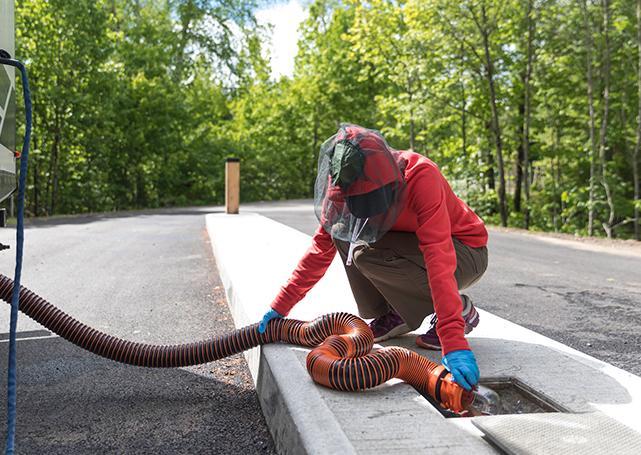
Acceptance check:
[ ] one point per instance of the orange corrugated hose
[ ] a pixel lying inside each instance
(341, 358)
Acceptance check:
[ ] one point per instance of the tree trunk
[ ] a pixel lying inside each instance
(54, 175)
(590, 82)
(518, 184)
(527, 102)
(637, 148)
(36, 186)
(496, 127)
(315, 140)
(555, 193)
(140, 189)
(489, 160)
(410, 93)
(608, 226)
(463, 122)
(463, 106)
(53, 169)
(186, 17)
(412, 132)
(555, 168)
(559, 179)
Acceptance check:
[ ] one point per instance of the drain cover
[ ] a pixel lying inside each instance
(559, 434)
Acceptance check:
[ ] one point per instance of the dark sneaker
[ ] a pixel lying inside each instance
(388, 326)
(430, 340)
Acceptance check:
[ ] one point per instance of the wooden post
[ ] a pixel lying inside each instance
(232, 185)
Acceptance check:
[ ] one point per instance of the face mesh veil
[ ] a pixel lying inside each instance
(359, 186)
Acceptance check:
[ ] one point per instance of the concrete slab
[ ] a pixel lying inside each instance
(256, 256)
(591, 433)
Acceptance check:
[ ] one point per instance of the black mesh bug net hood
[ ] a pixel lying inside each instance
(359, 187)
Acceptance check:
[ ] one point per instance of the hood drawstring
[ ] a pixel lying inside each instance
(355, 234)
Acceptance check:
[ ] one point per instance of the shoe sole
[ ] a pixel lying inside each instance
(396, 331)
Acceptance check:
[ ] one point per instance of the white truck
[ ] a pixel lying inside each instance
(7, 104)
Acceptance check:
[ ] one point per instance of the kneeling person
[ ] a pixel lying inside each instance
(409, 244)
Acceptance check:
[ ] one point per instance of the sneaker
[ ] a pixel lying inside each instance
(430, 340)
(388, 326)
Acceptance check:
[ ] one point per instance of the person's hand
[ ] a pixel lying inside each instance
(271, 314)
(462, 365)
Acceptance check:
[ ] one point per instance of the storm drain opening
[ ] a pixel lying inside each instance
(504, 396)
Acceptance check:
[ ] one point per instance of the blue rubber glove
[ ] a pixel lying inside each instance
(271, 314)
(462, 365)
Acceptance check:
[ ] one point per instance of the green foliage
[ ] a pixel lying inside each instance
(138, 103)
(129, 99)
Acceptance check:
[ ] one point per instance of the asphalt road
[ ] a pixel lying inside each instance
(150, 276)
(587, 297)
(145, 276)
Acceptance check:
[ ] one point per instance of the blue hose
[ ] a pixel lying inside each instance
(5, 59)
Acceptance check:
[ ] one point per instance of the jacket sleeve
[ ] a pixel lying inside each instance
(428, 199)
(309, 270)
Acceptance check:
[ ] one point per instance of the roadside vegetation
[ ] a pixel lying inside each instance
(530, 107)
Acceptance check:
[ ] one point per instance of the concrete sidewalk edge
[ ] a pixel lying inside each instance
(285, 413)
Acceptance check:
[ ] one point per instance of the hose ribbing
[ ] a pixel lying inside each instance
(340, 360)
(129, 352)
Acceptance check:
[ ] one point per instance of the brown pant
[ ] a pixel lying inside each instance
(392, 273)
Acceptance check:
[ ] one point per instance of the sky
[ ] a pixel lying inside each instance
(285, 18)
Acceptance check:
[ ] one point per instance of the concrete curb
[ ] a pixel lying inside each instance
(286, 394)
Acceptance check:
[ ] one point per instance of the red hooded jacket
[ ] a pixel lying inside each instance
(435, 214)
